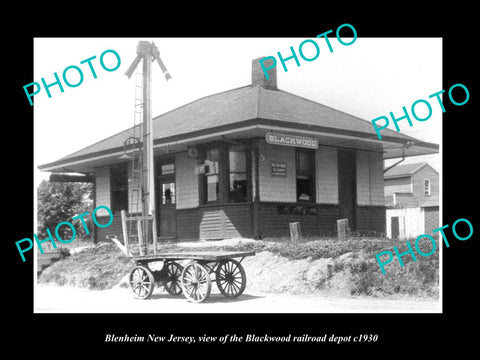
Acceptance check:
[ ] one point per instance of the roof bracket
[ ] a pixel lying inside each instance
(407, 145)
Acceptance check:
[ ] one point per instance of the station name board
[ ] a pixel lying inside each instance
(292, 140)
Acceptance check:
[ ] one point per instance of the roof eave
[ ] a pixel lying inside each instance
(70, 164)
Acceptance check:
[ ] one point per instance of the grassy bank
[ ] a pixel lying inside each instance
(326, 266)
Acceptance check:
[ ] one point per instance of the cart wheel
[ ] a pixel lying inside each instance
(141, 282)
(174, 271)
(196, 283)
(230, 277)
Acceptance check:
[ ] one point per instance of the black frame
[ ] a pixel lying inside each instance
(310, 153)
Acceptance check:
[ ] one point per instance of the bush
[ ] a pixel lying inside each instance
(57, 202)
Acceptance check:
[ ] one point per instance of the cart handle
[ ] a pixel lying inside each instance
(119, 244)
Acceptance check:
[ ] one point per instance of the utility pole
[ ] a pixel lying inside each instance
(147, 52)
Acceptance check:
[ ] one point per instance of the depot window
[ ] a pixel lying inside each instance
(237, 174)
(166, 177)
(212, 181)
(119, 187)
(305, 174)
(226, 177)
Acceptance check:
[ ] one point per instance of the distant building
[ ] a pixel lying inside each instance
(411, 198)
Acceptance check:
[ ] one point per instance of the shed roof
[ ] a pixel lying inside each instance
(431, 202)
(259, 109)
(405, 170)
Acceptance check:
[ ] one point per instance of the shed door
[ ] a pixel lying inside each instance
(347, 184)
(395, 227)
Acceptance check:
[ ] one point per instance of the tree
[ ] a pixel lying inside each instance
(61, 201)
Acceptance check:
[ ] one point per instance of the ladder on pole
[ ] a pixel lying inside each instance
(136, 175)
(142, 193)
(134, 224)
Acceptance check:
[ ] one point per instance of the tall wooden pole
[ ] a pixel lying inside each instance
(147, 52)
(148, 205)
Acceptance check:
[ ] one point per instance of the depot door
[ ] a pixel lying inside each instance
(347, 194)
(166, 200)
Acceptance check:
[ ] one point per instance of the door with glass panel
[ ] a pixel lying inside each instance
(166, 199)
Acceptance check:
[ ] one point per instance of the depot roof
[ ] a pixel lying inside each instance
(248, 111)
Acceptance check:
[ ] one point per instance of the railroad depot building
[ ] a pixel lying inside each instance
(247, 162)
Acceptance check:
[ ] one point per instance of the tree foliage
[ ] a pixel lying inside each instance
(61, 201)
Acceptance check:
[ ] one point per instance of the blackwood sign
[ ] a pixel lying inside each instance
(292, 140)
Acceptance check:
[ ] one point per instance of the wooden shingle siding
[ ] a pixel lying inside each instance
(370, 186)
(363, 178)
(277, 188)
(186, 181)
(102, 189)
(327, 175)
(134, 196)
(377, 186)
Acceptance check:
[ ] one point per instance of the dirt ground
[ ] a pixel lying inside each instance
(56, 299)
(275, 284)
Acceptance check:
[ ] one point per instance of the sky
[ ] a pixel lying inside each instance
(370, 78)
